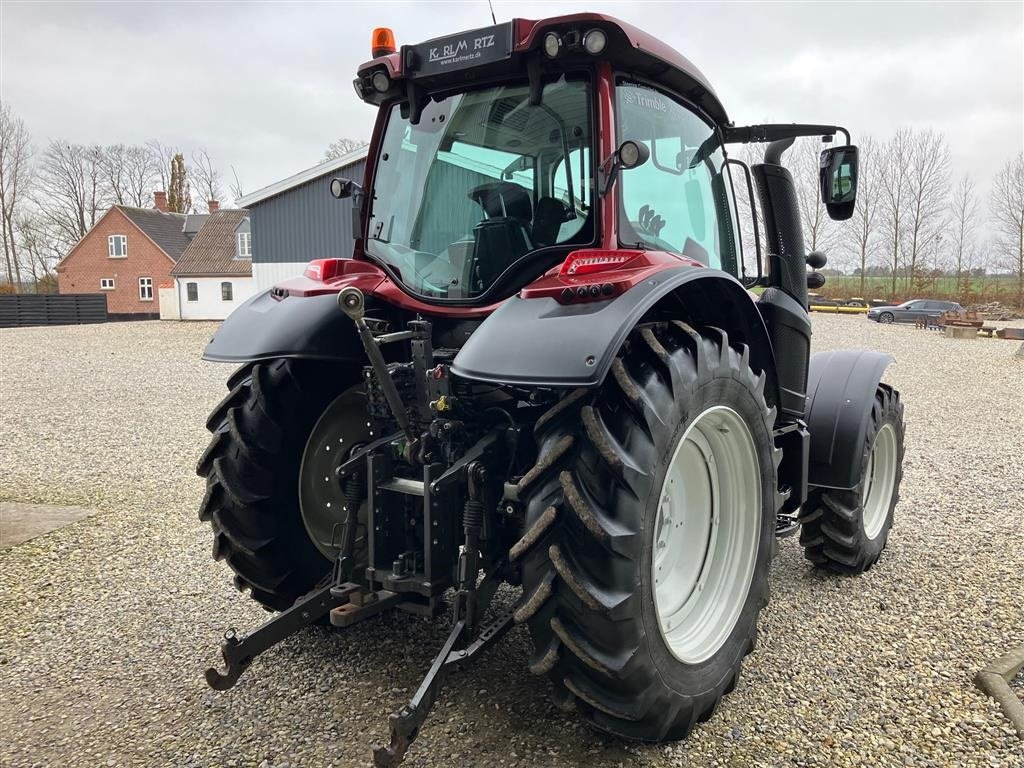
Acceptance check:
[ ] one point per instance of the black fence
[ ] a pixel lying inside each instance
(52, 309)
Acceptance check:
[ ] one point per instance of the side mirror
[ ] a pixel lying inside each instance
(838, 180)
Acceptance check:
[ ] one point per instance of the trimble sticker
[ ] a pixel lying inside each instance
(468, 49)
(644, 99)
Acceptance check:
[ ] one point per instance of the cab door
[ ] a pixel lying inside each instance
(680, 200)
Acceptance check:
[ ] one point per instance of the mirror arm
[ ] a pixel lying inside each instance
(746, 134)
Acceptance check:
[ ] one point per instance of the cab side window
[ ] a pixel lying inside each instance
(679, 200)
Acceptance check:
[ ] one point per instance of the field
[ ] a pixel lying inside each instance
(106, 625)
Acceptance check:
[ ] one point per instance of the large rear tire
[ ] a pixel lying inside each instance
(846, 531)
(252, 470)
(601, 567)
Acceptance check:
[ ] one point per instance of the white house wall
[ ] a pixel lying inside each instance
(269, 274)
(210, 306)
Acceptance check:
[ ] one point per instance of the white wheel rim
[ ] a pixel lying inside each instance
(879, 480)
(706, 534)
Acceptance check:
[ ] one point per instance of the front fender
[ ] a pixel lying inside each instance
(540, 342)
(265, 327)
(841, 389)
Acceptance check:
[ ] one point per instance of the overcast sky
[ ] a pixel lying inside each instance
(265, 87)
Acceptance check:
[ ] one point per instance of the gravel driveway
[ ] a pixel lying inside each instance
(107, 625)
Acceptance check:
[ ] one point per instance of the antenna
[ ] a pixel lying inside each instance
(491, 6)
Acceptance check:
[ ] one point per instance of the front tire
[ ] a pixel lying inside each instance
(886, 318)
(592, 596)
(846, 531)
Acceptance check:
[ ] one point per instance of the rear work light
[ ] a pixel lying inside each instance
(587, 262)
(381, 82)
(322, 270)
(594, 41)
(552, 44)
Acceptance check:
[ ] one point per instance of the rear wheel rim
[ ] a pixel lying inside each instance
(879, 481)
(706, 534)
(340, 428)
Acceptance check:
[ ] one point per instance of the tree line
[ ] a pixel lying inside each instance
(50, 196)
(913, 222)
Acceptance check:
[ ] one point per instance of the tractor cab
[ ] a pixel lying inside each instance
(495, 155)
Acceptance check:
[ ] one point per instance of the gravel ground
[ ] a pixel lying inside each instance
(107, 625)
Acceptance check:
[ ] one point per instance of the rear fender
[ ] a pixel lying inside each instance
(540, 342)
(841, 389)
(267, 327)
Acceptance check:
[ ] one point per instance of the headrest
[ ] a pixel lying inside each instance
(503, 198)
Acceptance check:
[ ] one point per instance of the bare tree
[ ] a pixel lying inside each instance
(893, 197)
(236, 186)
(964, 219)
(927, 188)
(15, 174)
(342, 147)
(163, 156)
(820, 232)
(205, 177)
(39, 250)
(1006, 208)
(72, 188)
(114, 170)
(866, 213)
(131, 172)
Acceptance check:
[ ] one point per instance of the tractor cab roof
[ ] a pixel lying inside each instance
(520, 46)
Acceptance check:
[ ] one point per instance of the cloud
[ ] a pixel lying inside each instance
(265, 87)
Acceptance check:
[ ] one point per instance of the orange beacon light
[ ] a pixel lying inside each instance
(382, 42)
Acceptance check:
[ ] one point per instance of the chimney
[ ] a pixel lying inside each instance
(160, 201)
(213, 205)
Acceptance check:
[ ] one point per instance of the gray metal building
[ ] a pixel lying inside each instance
(295, 220)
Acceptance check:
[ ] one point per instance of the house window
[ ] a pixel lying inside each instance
(225, 292)
(117, 246)
(192, 291)
(244, 245)
(145, 289)
(106, 283)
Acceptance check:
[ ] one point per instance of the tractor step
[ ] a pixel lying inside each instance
(786, 525)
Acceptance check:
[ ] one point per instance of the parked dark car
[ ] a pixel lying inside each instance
(912, 311)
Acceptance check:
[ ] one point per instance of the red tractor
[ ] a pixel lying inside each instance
(543, 366)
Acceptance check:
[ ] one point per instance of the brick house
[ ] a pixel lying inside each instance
(127, 254)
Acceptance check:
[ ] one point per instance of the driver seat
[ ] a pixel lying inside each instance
(503, 236)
